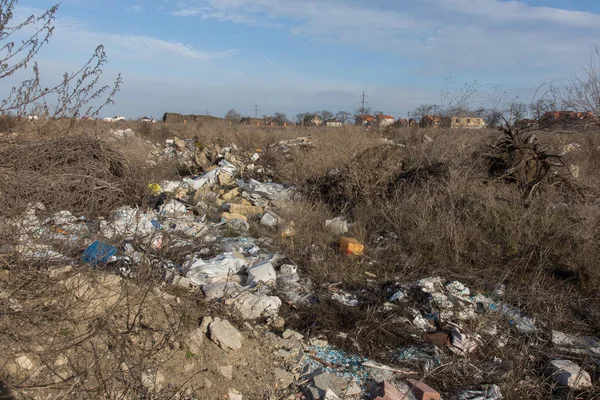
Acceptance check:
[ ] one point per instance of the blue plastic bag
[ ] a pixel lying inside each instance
(98, 253)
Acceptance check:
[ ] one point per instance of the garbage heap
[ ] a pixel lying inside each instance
(194, 233)
(192, 156)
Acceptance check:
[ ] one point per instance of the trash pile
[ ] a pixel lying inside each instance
(288, 147)
(194, 232)
(194, 157)
(202, 219)
(122, 133)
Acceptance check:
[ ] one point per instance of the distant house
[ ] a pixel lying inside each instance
(146, 119)
(252, 121)
(384, 120)
(366, 120)
(113, 119)
(406, 123)
(334, 123)
(567, 120)
(457, 122)
(316, 120)
(312, 120)
(430, 121)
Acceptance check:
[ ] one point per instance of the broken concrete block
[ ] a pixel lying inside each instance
(232, 216)
(290, 333)
(284, 378)
(330, 395)
(567, 373)
(326, 381)
(61, 361)
(227, 371)
(233, 394)
(245, 209)
(200, 194)
(232, 194)
(181, 281)
(194, 341)
(225, 179)
(270, 219)
(422, 391)
(25, 363)
(225, 335)
(387, 391)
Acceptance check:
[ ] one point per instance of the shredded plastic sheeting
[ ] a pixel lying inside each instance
(271, 191)
(419, 356)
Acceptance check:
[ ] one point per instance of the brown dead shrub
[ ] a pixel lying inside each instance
(75, 173)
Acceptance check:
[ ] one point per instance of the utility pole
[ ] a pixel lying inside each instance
(256, 110)
(362, 109)
(408, 122)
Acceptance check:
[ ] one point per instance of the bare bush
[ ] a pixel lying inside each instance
(582, 93)
(76, 94)
(75, 173)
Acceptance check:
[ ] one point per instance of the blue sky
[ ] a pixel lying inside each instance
(292, 56)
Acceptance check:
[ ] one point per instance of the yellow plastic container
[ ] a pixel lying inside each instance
(155, 188)
(351, 246)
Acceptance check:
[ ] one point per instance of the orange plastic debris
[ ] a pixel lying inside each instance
(351, 246)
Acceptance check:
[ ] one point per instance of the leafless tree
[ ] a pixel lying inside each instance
(280, 118)
(541, 106)
(76, 92)
(359, 112)
(342, 116)
(233, 116)
(458, 101)
(423, 110)
(582, 93)
(326, 115)
(517, 111)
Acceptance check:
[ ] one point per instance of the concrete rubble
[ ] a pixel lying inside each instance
(225, 335)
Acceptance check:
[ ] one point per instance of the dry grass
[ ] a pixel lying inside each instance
(461, 225)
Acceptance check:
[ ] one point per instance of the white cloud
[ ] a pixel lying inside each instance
(516, 11)
(136, 8)
(442, 35)
(69, 31)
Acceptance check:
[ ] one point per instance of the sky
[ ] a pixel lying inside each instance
(293, 56)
